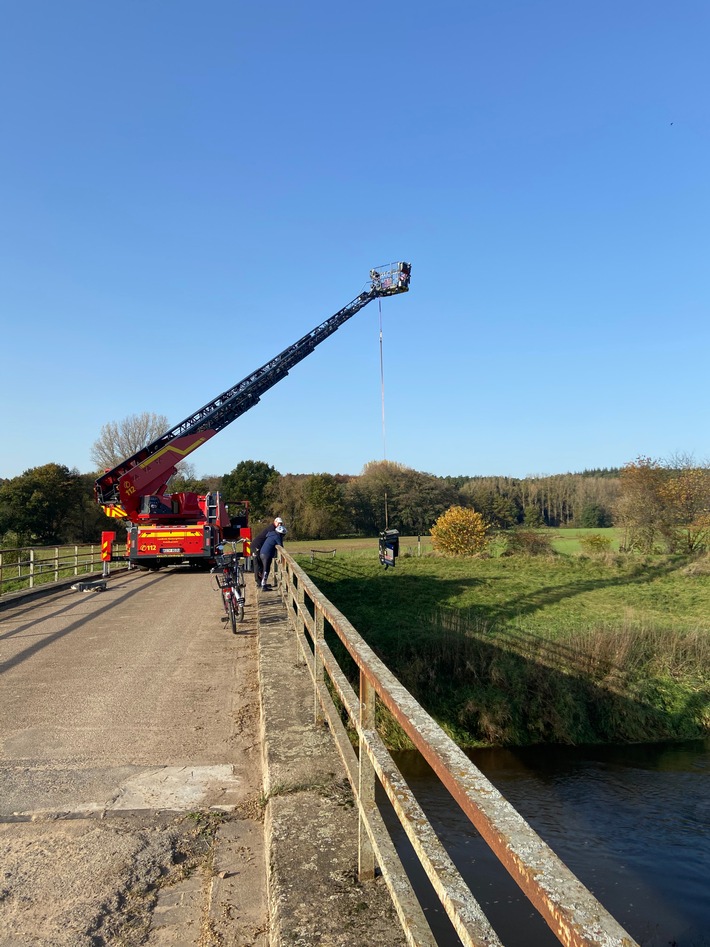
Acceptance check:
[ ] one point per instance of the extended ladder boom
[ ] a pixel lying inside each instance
(149, 469)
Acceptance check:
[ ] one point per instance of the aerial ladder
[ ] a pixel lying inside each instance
(187, 527)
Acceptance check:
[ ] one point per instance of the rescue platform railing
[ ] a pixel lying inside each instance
(574, 915)
(28, 567)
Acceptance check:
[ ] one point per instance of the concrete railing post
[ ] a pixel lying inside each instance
(318, 634)
(300, 623)
(366, 782)
(575, 917)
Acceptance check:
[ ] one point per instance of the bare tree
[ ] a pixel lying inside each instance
(122, 439)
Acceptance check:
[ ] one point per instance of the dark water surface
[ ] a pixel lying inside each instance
(632, 822)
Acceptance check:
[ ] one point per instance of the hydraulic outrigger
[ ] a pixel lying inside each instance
(187, 527)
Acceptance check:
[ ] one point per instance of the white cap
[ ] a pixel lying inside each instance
(278, 521)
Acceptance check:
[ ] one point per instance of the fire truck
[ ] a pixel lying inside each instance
(171, 528)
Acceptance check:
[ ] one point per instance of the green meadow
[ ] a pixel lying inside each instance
(513, 650)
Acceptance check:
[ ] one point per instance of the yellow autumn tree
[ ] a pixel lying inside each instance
(687, 497)
(460, 532)
(666, 505)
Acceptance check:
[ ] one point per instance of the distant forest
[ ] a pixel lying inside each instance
(321, 505)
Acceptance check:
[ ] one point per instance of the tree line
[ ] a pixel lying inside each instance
(53, 504)
(659, 504)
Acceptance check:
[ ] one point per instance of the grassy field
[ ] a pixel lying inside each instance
(563, 648)
(564, 541)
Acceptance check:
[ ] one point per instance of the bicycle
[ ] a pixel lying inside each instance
(229, 575)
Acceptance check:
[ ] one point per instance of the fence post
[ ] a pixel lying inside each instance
(56, 564)
(32, 568)
(300, 624)
(318, 634)
(366, 782)
(76, 560)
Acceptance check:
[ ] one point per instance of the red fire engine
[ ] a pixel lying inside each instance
(187, 527)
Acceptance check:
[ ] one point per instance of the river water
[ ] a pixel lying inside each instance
(632, 822)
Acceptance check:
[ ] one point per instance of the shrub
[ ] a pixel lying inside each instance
(595, 544)
(525, 542)
(460, 532)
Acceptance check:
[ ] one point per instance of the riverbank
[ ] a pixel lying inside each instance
(524, 650)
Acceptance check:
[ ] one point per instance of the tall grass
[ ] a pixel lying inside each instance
(602, 683)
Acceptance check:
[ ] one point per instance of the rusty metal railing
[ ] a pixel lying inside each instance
(574, 915)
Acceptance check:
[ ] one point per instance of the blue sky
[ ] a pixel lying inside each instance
(186, 189)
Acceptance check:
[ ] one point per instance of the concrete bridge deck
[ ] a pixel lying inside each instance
(162, 781)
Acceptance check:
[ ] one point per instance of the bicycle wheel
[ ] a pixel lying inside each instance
(232, 615)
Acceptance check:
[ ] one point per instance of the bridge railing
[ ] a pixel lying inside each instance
(574, 915)
(27, 567)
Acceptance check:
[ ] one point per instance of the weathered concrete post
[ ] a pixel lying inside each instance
(318, 633)
(300, 624)
(366, 782)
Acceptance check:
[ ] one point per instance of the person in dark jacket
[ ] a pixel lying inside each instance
(256, 545)
(274, 538)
